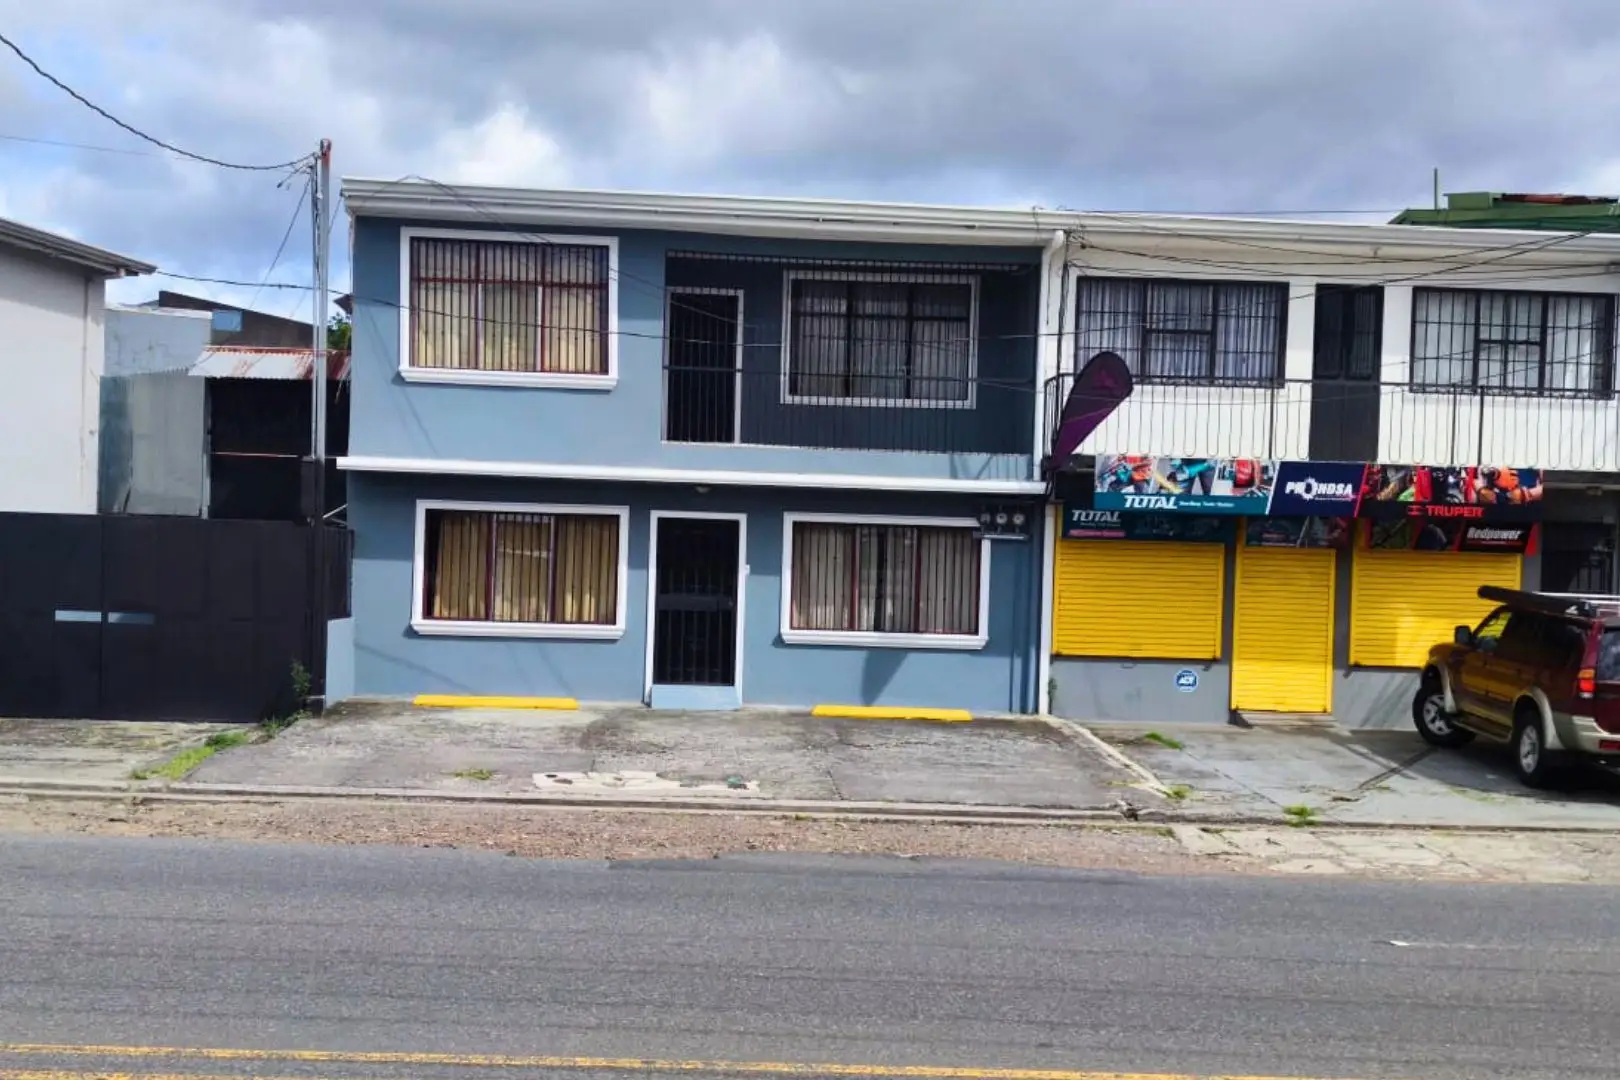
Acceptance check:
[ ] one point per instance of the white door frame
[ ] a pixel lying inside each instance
(652, 586)
(670, 293)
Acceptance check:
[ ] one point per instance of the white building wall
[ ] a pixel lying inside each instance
(1426, 428)
(51, 348)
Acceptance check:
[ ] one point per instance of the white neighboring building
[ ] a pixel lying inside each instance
(52, 341)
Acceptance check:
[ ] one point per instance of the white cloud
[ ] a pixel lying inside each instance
(1175, 104)
(503, 149)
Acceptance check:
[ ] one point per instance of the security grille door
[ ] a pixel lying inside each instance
(695, 602)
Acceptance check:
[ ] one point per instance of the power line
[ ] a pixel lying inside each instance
(298, 208)
(137, 132)
(77, 145)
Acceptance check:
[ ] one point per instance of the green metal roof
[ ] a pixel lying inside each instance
(1492, 210)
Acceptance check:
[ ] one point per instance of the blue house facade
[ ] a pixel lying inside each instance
(694, 452)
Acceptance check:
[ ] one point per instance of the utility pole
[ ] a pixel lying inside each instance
(319, 188)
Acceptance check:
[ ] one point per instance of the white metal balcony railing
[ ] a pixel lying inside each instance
(1303, 419)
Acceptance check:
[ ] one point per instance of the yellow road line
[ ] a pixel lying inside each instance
(500, 1061)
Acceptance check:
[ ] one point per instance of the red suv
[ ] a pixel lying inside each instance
(1541, 673)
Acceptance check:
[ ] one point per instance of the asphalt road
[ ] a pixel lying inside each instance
(109, 948)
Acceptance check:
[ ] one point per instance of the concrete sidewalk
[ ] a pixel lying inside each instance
(95, 751)
(1328, 775)
(631, 751)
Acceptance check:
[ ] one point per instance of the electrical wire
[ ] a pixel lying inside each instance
(137, 132)
(298, 210)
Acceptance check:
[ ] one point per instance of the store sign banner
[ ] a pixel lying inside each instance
(1298, 532)
(1440, 534)
(1142, 483)
(1479, 493)
(1084, 523)
(1322, 489)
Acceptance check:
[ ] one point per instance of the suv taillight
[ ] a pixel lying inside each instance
(1585, 683)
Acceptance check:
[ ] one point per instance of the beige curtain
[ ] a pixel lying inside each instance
(948, 570)
(573, 308)
(444, 315)
(587, 572)
(461, 573)
(823, 562)
(510, 325)
(523, 568)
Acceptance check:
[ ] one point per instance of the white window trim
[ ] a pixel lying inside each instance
(425, 626)
(868, 639)
(545, 379)
(670, 293)
(971, 280)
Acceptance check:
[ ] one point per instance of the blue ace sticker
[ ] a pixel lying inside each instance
(1186, 680)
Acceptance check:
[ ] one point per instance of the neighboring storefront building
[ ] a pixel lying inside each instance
(1191, 590)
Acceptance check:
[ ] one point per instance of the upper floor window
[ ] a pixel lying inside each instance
(876, 340)
(1184, 331)
(1512, 342)
(531, 312)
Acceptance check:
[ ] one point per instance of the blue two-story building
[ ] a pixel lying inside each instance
(695, 451)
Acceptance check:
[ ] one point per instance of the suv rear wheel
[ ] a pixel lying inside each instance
(1433, 722)
(1535, 764)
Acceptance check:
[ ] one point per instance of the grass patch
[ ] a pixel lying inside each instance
(1178, 792)
(474, 774)
(1299, 815)
(181, 765)
(1163, 740)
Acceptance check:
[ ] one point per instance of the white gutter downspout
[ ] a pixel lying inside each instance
(1054, 263)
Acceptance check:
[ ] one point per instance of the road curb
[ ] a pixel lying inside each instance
(1108, 752)
(1122, 817)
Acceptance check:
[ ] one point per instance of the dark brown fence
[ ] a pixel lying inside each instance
(158, 618)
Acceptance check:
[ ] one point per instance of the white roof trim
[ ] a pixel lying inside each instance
(529, 470)
(66, 249)
(890, 222)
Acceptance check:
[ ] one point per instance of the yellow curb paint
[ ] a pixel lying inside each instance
(498, 1061)
(469, 701)
(889, 712)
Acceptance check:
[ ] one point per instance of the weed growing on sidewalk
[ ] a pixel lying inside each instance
(301, 683)
(474, 774)
(1163, 740)
(181, 765)
(1178, 792)
(1300, 815)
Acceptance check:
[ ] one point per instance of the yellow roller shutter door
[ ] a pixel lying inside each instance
(1282, 630)
(1403, 602)
(1150, 599)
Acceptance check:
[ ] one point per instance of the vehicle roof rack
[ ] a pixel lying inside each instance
(1583, 605)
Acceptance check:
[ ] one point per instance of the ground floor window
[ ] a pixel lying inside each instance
(520, 569)
(914, 583)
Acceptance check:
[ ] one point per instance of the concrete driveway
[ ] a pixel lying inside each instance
(1383, 777)
(632, 750)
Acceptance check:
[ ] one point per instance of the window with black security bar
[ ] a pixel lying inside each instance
(508, 306)
(884, 579)
(880, 339)
(1349, 332)
(520, 568)
(1191, 332)
(1527, 343)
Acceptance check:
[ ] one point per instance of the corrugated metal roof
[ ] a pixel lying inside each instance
(248, 362)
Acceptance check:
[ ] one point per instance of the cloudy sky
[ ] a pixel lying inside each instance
(1185, 105)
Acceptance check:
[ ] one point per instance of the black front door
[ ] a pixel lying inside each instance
(695, 602)
(1345, 372)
